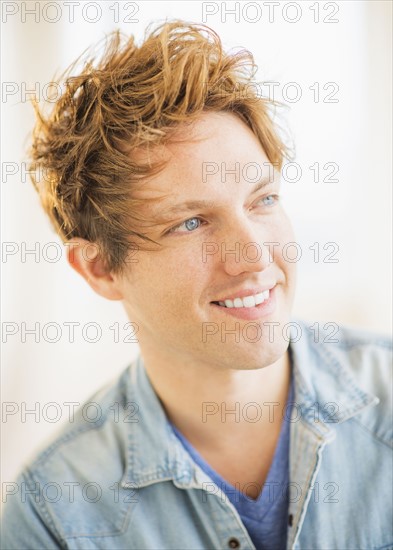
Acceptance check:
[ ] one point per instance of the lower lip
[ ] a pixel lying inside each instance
(251, 313)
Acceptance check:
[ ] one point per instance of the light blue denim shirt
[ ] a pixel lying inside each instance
(126, 481)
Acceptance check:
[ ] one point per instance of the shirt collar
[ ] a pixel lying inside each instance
(153, 452)
(321, 374)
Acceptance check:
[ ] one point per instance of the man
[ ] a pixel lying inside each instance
(236, 427)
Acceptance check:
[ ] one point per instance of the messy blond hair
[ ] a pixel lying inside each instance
(132, 97)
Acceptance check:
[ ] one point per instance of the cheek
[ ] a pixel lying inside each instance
(288, 251)
(280, 231)
(284, 227)
(170, 276)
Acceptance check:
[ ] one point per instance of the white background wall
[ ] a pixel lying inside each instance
(355, 133)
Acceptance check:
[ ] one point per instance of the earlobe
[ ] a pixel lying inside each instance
(85, 258)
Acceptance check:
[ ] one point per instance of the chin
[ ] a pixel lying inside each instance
(251, 356)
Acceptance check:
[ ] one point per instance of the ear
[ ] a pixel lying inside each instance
(85, 257)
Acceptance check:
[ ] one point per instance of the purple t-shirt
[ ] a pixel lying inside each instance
(266, 518)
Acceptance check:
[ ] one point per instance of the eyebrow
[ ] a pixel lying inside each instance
(197, 204)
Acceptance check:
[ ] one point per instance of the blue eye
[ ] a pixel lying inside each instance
(191, 224)
(270, 200)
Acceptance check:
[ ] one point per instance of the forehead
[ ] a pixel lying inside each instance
(216, 148)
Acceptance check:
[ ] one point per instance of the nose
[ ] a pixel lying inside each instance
(242, 250)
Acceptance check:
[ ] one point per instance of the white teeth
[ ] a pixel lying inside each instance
(259, 298)
(247, 301)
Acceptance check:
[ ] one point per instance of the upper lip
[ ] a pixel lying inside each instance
(242, 293)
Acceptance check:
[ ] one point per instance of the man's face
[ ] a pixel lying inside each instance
(212, 252)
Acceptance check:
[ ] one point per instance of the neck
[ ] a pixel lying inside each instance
(211, 407)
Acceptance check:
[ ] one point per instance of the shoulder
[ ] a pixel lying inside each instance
(354, 364)
(76, 476)
(365, 354)
(90, 430)
(357, 350)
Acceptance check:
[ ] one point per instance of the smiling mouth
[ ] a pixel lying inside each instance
(246, 302)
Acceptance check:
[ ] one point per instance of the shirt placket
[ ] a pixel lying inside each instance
(307, 445)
